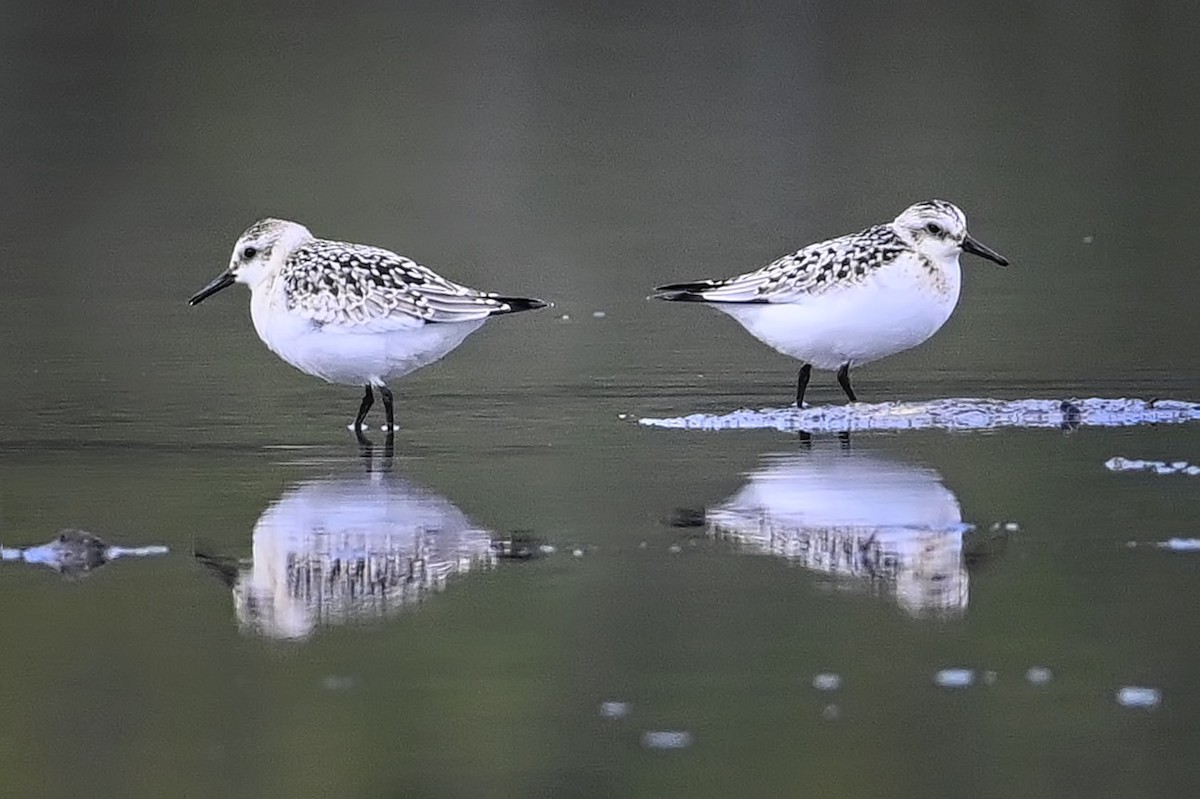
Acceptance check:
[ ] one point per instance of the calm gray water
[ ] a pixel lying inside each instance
(350, 631)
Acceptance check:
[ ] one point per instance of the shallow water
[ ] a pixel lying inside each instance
(330, 621)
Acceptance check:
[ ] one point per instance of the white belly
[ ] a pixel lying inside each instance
(893, 312)
(352, 355)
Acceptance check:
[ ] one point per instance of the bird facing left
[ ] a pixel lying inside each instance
(352, 314)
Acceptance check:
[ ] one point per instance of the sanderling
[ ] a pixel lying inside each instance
(351, 313)
(854, 299)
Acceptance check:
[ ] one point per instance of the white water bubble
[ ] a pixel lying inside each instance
(615, 709)
(1039, 675)
(667, 739)
(827, 681)
(1139, 696)
(954, 678)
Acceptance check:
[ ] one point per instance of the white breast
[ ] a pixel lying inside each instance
(352, 354)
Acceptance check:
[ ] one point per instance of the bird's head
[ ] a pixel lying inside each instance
(259, 252)
(938, 230)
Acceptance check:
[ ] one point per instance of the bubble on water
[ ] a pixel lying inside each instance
(1039, 675)
(827, 681)
(614, 709)
(954, 678)
(1180, 544)
(1139, 696)
(547, 549)
(674, 549)
(598, 314)
(667, 739)
(577, 553)
(831, 713)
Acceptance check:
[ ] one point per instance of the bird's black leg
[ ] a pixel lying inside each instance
(367, 401)
(388, 409)
(843, 376)
(802, 383)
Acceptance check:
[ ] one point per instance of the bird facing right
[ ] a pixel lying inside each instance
(854, 299)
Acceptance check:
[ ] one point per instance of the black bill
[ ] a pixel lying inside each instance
(224, 280)
(975, 248)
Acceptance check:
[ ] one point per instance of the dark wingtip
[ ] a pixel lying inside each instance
(518, 304)
(681, 292)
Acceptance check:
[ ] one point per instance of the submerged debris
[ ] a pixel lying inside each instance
(944, 414)
(75, 552)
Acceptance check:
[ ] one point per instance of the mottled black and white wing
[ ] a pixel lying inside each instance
(812, 270)
(343, 284)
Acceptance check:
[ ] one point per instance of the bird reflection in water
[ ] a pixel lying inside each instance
(347, 549)
(889, 526)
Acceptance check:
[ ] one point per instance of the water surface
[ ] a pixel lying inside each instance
(350, 630)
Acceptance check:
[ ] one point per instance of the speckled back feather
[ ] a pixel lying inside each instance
(339, 283)
(812, 270)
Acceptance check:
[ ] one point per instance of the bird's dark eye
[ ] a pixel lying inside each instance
(934, 229)
(249, 253)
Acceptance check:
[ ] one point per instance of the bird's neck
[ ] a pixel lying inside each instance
(266, 299)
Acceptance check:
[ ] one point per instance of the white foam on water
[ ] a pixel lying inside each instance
(1119, 464)
(943, 414)
(827, 682)
(954, 678)
(1138, 696)
(1180, 544)
(137, 552)
(614, 709)
(1039, 675)
(667, 739)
